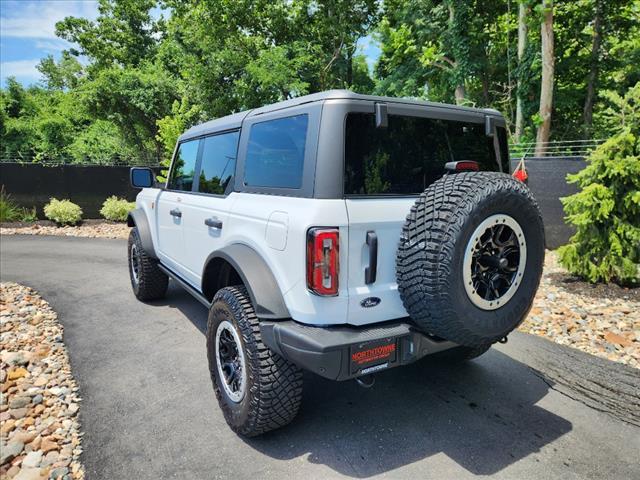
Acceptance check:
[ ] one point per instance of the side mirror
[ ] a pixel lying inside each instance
(141, 177)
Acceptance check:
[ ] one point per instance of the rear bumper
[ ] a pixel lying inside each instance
(341, 353)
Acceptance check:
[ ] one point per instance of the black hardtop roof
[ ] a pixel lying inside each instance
(234, 121)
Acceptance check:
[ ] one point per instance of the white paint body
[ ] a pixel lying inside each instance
(276, 228)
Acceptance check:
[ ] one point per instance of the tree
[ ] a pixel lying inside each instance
(593, 70)
(64, 74)
(546, 89)
(133, 99)
(143, 77)
(606, 211)
(523, 31)
(124, 33)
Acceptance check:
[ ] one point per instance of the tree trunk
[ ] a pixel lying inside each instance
(456, 36)
(485, 89)
(523, 32)
(546, 90)
(593, 72)
(350, 51)
(460, 94)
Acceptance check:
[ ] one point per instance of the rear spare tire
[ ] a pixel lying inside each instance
(470, 257)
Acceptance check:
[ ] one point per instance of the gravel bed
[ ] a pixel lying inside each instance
(602, 320)
(88, 228)
(39, 427)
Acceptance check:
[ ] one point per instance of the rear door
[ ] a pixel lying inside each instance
(170, 205)
(385, 170)
(374, 226)
(206, 210)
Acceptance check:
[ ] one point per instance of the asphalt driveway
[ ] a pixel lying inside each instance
(527, 409)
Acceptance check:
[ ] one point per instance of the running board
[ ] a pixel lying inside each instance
(184, 284)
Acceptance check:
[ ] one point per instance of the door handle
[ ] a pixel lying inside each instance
(175, 213)
(213, 223)
(371, 271)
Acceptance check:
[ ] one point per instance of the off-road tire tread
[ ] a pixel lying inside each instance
(152, 282)
(276, 393)
(435, 222)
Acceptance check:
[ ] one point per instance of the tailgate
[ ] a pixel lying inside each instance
(382, 219)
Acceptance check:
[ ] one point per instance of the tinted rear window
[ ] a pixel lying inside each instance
(275, 156)
(410, 154)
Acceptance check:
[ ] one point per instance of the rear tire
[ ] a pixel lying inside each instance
(147, 280)
(268, 393)
(470, 257)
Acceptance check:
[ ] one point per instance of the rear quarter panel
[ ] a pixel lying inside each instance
(276, 228)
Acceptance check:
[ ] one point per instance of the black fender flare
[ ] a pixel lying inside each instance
(265, 294)
(138, 218)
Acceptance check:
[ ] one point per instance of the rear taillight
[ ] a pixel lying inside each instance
(323, 260)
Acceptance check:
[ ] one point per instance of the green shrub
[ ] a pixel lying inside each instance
(116, 209)
(606, 212)
(9, 211)
(63, 212)
(28, 214)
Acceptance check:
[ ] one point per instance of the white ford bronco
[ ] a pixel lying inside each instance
(339, 233)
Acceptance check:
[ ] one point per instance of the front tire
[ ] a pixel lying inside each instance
(256, 388)
(147, 280)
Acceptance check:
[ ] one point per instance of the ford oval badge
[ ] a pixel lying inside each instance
(370, 302)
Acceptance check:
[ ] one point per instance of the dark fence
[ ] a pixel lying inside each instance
(547, 181)
(32, 185)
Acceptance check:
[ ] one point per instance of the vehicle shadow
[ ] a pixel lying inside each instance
(481, 414)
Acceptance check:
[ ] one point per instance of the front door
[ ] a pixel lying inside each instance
(171, 206)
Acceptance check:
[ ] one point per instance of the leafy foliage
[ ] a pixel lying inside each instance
(28, 214)
(606, 212)
(63, 212)
(147, 77)
(9, 211)
(116, 209)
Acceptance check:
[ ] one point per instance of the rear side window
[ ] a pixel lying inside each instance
(410, 154)
(275, 155)
(184, 166)
(218, 162)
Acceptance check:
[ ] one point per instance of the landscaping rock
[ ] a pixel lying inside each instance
(40, 399)
(94, 229)
(32, 460)
(10, 451)
(602, 320)
(28, 474)
(58, 472)
(19, 402)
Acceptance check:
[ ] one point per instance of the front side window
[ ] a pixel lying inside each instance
(218, 162)
(184, 167)
(275, 156)
(409, 155)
